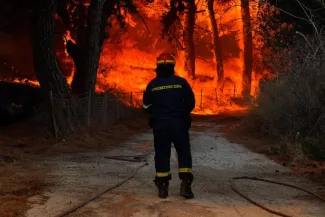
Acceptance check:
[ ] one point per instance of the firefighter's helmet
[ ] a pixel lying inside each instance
(166, 58)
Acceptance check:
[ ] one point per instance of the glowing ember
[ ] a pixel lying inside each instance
(25, 81)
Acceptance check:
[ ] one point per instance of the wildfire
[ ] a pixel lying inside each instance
(131, 68)
(68, 59)
(26, 81)
(130, 65)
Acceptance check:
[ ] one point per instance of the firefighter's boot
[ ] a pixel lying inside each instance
(186, 190)
(162, 185)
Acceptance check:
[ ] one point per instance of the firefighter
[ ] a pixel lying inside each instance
(169, 100)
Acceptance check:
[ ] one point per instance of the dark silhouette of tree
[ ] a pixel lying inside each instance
(216, 44)
(86, 52)
(189, 43)
(181, 10)
(89, 27)
(171, 23)
(45, 63)
(280, 20)
(248, 47)
(278, 27)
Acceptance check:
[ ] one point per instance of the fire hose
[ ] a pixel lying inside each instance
(273, 182)
(143, 158)
(131, 158)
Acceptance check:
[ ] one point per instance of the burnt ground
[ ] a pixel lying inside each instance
(21, 147)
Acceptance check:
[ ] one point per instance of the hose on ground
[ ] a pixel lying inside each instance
(143, 158)
(273, 182)
(136, 158)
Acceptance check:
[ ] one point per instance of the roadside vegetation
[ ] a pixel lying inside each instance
(291, 105)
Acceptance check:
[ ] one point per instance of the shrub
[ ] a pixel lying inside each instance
(294, 101)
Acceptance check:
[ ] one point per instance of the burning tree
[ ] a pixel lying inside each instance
(248, 47)
(87, 52)
(88, 20)
(88, 23)
(45, 64)
(216, 44)
(86, 55)
(213, 48)
(189, 38)
(176, 13)
(181, 15)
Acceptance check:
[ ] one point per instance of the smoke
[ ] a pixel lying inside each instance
(16, 53)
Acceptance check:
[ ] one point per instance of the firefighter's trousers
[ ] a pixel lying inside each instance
(167, 132)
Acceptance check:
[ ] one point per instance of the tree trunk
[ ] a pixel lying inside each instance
(76, 51)
(45, 63)
(248, 48)
(189, 38)
(87, 57)
(46, 66)
(216, 45)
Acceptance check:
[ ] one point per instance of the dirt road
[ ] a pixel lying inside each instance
(216, 161)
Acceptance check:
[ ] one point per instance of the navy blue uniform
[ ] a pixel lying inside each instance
(170, 100)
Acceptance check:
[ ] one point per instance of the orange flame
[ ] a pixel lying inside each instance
(130, 65)
(131, 68)
(67, 58)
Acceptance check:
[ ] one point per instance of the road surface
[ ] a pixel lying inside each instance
(74, 177)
